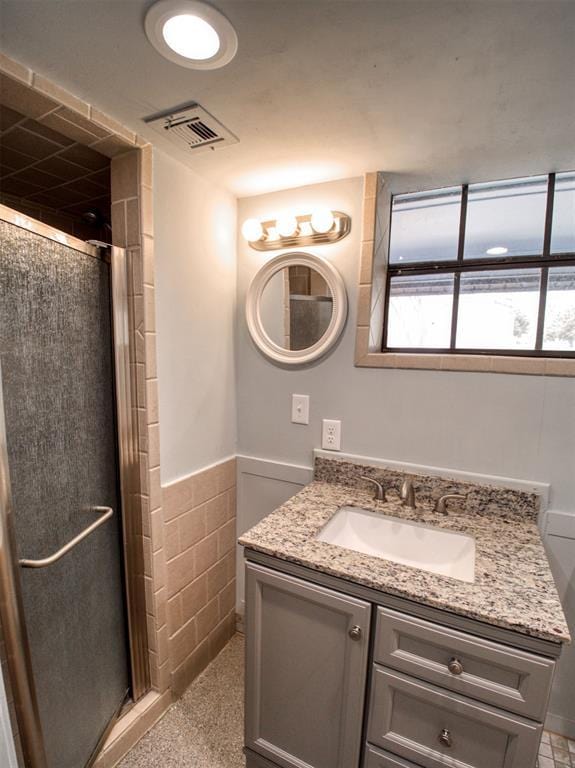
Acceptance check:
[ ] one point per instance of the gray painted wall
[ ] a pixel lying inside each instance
(514, 426)
(194, 225)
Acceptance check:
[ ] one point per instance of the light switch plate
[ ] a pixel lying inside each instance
(300, 409)
(331, 435)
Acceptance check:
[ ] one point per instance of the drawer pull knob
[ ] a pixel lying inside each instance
(355, 633)
(445, 738)
(455, 667)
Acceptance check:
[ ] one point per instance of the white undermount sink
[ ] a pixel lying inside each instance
(402, 541)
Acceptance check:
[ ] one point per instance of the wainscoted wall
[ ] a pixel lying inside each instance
(559, 537)
(200, 536)
(262, 487)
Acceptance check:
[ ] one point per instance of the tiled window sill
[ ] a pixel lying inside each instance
(530, 366)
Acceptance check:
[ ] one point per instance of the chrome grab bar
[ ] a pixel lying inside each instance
(106, 513)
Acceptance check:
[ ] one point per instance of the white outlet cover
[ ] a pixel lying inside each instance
(331, 435)
(300, 409)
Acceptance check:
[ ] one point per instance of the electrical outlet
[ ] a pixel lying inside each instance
(331, 435)
(300, 409)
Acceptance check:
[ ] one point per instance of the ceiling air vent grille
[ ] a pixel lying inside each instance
(192, 128)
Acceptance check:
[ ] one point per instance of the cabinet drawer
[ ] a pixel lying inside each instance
(496, 674)
(408, 718)
(375, 758)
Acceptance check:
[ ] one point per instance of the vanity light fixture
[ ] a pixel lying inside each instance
(191, 33)
(321, 226)
(498, 250)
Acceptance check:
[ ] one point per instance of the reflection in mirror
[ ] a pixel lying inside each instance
(296, 307)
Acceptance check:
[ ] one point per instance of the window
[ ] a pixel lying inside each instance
(483, 268)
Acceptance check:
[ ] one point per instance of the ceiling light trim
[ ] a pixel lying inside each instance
(164, 10)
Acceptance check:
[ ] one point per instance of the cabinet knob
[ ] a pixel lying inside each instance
(355, 633)
(455, 666)
(445, 738)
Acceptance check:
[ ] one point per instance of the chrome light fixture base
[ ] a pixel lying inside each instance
(304, 235)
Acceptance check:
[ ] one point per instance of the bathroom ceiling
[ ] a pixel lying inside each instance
(439, 90)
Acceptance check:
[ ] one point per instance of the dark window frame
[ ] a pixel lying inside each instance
(458, 266)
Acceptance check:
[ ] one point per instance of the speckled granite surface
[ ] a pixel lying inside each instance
(513, 585)
(480, 499)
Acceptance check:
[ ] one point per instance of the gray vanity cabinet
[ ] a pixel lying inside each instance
(440, 690)
(306, 669)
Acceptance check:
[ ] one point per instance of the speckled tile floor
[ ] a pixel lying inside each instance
(204, 729)
(556, 752)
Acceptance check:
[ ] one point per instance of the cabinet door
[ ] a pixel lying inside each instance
(306, 666)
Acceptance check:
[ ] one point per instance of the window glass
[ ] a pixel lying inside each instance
(419, 313)
(425, 226)
(498, 309)
(559, 329)
(506, 218)
(563, 229)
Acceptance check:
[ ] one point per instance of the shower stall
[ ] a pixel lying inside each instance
(67, 459)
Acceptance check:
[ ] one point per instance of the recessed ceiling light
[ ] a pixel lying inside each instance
(191, 33)
(191, 37)
(498, 250)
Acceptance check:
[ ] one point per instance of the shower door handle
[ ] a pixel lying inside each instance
(105, 514)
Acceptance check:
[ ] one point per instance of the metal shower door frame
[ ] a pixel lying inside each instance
(12, 615)
(129, 469)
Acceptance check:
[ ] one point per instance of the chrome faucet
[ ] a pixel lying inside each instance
(407, 494)
(441, 503)
(379, 493)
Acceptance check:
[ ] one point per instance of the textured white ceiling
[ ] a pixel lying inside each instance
(445, 90)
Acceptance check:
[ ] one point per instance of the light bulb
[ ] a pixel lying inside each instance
(322, 220)
(191, 37)
(252, 230)
(498, 250)
(287, 226)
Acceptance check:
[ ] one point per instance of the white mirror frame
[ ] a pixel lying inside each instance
(253, 303)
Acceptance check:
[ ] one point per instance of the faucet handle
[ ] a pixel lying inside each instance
(407, 494)
(441, 503)
(379, 494)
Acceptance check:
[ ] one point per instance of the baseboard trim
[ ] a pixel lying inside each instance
(560, 725)
(132, 727)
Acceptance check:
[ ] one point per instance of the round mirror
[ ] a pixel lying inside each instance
(296, 308)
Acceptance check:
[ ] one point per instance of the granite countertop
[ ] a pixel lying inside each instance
(513, 585)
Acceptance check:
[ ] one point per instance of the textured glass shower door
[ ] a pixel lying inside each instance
(56, 349)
